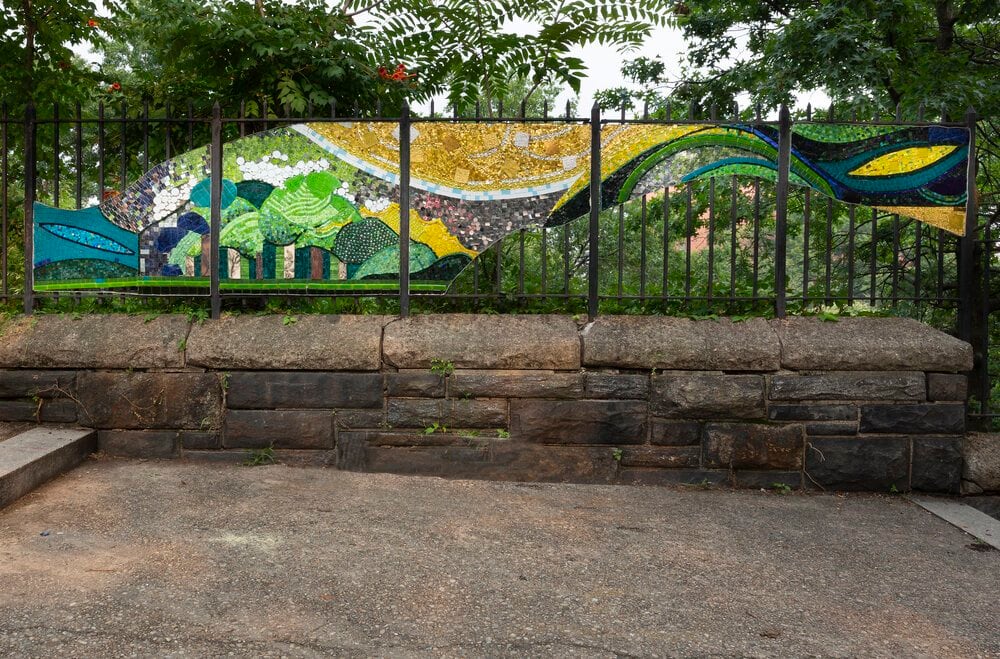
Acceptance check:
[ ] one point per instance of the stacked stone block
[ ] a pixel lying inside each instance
(861, 404)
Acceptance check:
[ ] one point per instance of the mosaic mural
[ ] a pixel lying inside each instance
(317, 205)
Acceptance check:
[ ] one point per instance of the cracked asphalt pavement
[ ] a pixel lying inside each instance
(184, 559)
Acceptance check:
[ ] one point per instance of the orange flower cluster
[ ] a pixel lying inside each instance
(92, 23)
(115, 87)
(398, 75)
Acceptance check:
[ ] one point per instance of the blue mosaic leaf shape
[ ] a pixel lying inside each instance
(87, 238)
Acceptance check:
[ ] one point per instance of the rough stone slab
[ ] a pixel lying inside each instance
(753, 446)
(305, 429)
(852, 463)
(674, 433)
(37, 455)
(812, 412)
(669, 477)
(974, 522)
(197, 440)
(869, 344)
(981, 454)
(397, 438)
(619, 386)
(496, 459)
(858, 385)
(146, 401)
(944, 418)
(649, 342)
(139, 443)
(831, 427)
(947, 386)
(660, 456)
(515, 384)
(302, 390)
(312, 343)
(937, 464)
(94, 341)
(578, 422)
(483, 341)
(419, 384)
(359, 418)
(707, 395)
(44, 384)
(451, 413)
(45, 410)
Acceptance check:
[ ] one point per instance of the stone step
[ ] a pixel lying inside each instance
(37, 455)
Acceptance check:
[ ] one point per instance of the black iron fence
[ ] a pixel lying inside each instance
(723, 245)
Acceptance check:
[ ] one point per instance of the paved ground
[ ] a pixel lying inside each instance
(174, 559)
(9, 429)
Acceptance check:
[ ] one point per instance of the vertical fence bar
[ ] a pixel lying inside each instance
(895, 260)
(873, 261)
(919, 248)
(404, 211)
(710, 285)
(666, 242)
(55, 155)
(216, 211)
(967, 242)
(781, 209)
(642, 249)
(850, 253)
(756, 236)
(734, 218)
(78, 158)
(595, 211)
(621, 250)
(985, 383)
(688, 230)
(30, 133)
(805, 245)
(145, 135)
(4, 166)
(100, 152)
(828, 279)
(123, 172)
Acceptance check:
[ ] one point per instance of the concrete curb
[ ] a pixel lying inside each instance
(38, 455)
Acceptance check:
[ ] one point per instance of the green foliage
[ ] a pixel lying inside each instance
(781, 488)
(465, 47)
(442, 368)
(259, 457)
(435, 427)
(293, 54)
(883, 53)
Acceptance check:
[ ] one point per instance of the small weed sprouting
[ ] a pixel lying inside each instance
(893, 489)
(435, 427)
(442, 367)
(503, 434)
(470, 433)
(259, 456)
(781, 488)
(198, 315)
(616, 453)
(182, 345)
(225, 381)
(289, 320)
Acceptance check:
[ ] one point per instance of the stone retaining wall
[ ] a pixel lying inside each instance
(859, 404)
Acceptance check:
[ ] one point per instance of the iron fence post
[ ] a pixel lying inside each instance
(967, 242)
(216, 212)
(595, 211)
(30, 133)
(404, 211)
(781, 210)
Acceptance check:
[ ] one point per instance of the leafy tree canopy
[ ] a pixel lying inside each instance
(869, 54)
